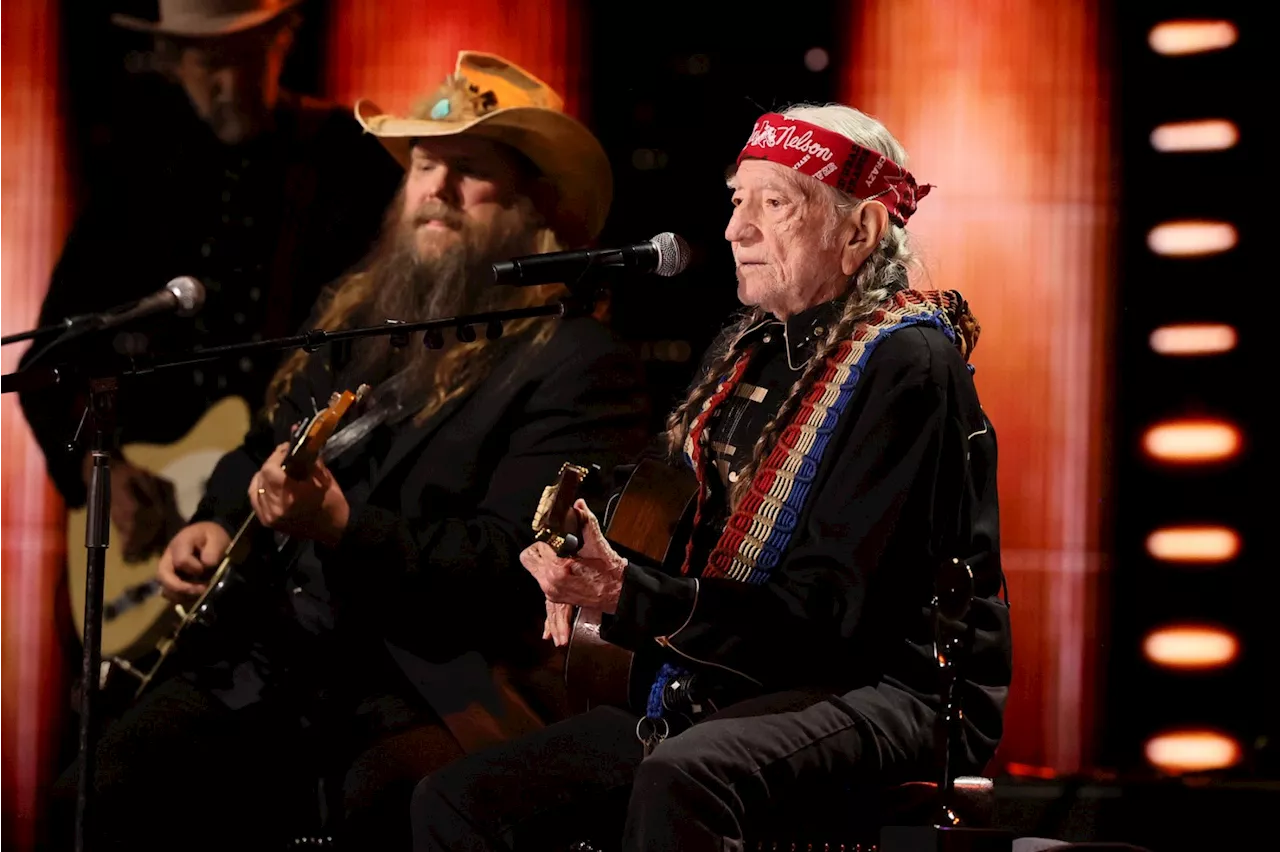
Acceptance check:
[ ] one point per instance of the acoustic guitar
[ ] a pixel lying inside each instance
(134, 615)
(647, 522)
(197, 625)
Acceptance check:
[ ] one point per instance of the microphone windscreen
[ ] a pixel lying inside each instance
(190, 294)
(673, 254)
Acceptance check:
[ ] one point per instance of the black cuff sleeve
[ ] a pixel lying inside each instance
(651, 604)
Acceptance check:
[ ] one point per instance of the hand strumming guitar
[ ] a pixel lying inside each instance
(591, 578)
(143, 507)
(559, 624)
(313, 507)
(192, 555)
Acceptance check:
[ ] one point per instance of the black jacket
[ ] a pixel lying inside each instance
(908, 480)
(430, 559)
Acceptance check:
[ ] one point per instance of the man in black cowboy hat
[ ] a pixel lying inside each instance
(263, 195)
(405, 634)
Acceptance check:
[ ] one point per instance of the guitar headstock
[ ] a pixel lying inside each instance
(555, 521)
(316, 431)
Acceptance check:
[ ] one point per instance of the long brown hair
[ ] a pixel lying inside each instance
(395, 284)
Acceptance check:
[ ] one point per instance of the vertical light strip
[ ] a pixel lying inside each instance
(32, 227)
(1005, 107)
(395, 52)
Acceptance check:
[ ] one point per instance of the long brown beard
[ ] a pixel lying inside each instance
(457, 280)
(398, 283)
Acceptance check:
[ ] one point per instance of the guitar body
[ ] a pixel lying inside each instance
(646, 523)
(134, 613)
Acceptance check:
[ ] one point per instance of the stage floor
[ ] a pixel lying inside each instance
(1164, 816)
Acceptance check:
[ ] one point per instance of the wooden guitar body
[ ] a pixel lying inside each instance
(646, 523)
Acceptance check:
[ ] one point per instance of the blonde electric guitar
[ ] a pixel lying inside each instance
(134, 615)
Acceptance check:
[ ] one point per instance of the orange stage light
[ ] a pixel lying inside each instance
(1191, 238)
(1214, 134)
(1191, 647)
(1194, 544)
(1192, 750)
(1192, 441)
(1193, 339)
(1178, 38)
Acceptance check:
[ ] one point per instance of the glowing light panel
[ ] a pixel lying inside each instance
(1191, 238)
(1193, 339)
(1209, 135)
(1192, 751)
(1191, 647)
(1179, 38)
(1191, 441)
(1194, 544)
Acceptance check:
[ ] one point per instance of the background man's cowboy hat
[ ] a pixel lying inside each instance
(201, 18)
(491, 97)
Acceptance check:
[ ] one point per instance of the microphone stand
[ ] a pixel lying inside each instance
(43, 331)
(101, 414)
(952, 596)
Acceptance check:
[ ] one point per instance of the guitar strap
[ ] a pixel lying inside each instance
(758, 533)
(386, 405)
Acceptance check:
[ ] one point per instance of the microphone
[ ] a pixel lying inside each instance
(665, 255)
(183, 295)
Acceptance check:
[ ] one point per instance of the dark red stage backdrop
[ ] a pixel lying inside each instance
(33, 223)
(1005, 107)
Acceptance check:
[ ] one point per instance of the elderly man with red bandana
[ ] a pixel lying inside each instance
(841, 456)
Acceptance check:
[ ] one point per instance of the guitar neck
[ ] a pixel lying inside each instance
(249, 526)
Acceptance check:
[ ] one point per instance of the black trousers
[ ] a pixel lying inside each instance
(180, 770)
(584, 779)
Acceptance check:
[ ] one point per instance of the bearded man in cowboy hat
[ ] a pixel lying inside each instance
(263, 195)
(840, 457)
(401, 635)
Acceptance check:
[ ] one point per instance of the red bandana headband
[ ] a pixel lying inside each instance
(836, 161)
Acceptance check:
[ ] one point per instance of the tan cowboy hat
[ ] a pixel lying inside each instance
(204, 18)
(491, 97)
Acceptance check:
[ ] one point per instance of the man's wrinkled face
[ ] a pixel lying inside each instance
(784, 246)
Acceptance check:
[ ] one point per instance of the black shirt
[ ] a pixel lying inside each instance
(908, 480)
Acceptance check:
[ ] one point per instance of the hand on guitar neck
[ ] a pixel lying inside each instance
(292, 493)
(144, 507)
(589, 575)
(306, 504)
